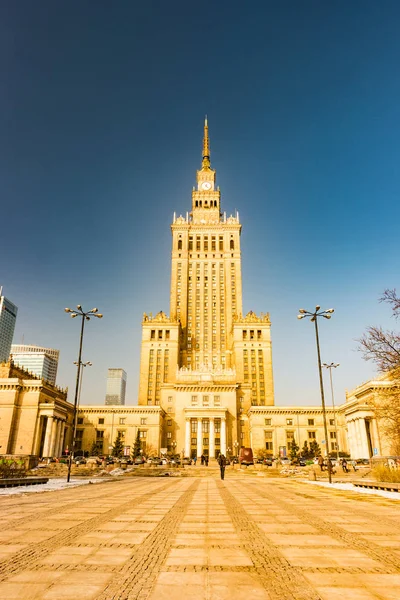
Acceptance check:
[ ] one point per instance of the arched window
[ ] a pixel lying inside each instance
(179, 244)
(232, 245)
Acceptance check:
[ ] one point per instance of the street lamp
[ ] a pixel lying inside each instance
(236, 444)
(83, 364)
(330, 367)
(314, 318)
(85, 316)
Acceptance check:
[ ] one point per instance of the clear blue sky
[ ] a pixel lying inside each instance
(101, 112)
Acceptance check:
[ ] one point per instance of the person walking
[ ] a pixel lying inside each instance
(344, 465)
(321, 462)
(194, 460)
(202, 459)
(222, 465)
(206, 460)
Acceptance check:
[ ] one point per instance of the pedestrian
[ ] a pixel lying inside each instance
(194, 459)
(202, 459)
(222, 465)
(331, 467)
(206, 460)
(344, 465)
(321, 462)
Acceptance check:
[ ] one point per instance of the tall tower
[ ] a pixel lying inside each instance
(8, 317)
(116, 387)
(206, 364)
(206, 278)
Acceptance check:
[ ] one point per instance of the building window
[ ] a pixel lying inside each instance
(80, 421)
(312, 435)
(205, 426)
(242, 423)
(169, 422)
(193, 426)
(153, 334)
(332, 422)
(194, 400)
(268, 422)
(194, 441)
(169, 398)
(99, 435)
(332, 435)
(289, 422)
(311, 422)
(143, 421)
(167, 334)
(205, 400)
(169, 409)
(122, 420)
(205, 441)
(169, 434)
(101, 421)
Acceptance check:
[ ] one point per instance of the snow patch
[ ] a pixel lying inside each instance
(351, 488)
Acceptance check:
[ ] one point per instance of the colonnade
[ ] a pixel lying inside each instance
(358, 439)
(210, 434)
(54, 438)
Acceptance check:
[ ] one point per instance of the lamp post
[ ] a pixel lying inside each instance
(236, 445)
(326, 314)
(83, 364)
(330, 367)
(85, 316)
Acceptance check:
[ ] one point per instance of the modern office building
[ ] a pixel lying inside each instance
(116, 387)
(42, 362)
(8, 317)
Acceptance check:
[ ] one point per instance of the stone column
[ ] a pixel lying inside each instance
(375, 437)
(199, 438)
(53, 436)
(187, 438)
(223, 435)
(212, 438)
(358, 437)
(47, 439)
(56, 437)
(364, 440)
(352, 438)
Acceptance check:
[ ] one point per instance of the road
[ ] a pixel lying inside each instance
(244, 538)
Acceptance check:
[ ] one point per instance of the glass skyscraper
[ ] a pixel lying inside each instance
(42, 362)
(116, 387)
(8, 317)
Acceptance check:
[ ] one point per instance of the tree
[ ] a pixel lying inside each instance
(293, 450)
(136, 446)
(383, 348)
(118, 447)
(305, 451)
(315, 450)
(94, 450)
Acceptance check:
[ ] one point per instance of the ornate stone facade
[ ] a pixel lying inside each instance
(206, 364)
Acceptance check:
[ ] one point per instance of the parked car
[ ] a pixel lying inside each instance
(187, 461)
(302, 462)
(93, 460)
(235, 460)
(285, 461)
(80, 460)
(267, 462)
(139, 460)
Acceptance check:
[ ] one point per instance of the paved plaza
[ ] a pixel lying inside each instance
(200, 538)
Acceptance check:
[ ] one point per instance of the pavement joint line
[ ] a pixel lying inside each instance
(281, 580)
(351, 539)
(38, 550)
(68, 505)
(128, 585)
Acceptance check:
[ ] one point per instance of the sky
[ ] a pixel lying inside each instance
(101, 114)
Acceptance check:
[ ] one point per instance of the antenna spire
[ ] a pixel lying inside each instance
(206, 146)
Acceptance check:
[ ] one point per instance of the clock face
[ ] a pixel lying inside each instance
(206, 185)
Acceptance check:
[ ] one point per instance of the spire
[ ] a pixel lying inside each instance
(206, 147)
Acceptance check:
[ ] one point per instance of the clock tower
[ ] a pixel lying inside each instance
(206, 364)
(206, 199)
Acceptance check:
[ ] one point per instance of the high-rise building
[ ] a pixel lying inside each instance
(8, 317)
(206, 364)
(42, 362)
(116, 387)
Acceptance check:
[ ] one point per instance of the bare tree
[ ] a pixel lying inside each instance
(383, 348)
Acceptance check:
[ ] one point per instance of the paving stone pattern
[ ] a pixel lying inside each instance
(244, 538)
